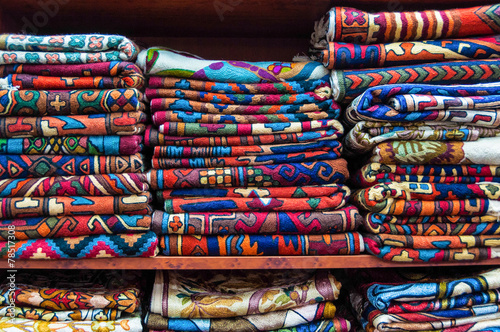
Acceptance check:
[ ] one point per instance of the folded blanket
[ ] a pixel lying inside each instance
(124, 324)
(239, 88)
(153, 137)
(432, 242)
(353, 25)
(483, 151)
(72, 102)
(346, 219)
(324, 325)
(68, 226)
(59, 298)
(374, 173)
(63, 315)
(262, 245)
(28, 166)
(166, 62)
(84, 185)
(382, 295)
(441, 319)
(73, 145)
(65, 49)
(261, 322)
(89, 246)
(350, 83)
(303, 174)
(116, 123)
(164, 163)
(424, 102)
(255, 204)
(332, 145)
(163, 117)
(25, 207)
(253, 192)
(374, 225)
(103, 75)
(246, 129)
(218, 108)
(366, 134)
(241, 99)
(377, 218)
(232, 293)
(352, 55)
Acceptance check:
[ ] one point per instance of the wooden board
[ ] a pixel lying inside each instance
(228, 263)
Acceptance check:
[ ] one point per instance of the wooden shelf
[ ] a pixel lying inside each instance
(229, 263)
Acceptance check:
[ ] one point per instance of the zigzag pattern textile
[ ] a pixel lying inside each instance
(419, 300)
(73, 300)
(234, 302)
(247, 158)
(429, 171)
(71, 124)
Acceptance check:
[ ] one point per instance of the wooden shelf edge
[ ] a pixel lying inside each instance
(228, 263)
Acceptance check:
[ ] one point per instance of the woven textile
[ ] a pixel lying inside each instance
(65, 49)
(63, 315)
(432, 242)
(72, 102)
(257, 245)
(373, 173)
(165, 62)
(353, 25)
(309, 173)
(350, 83)
(483, 151)
(285, 320)
(317, 222)
(238, 293)
(325, 325)
(27, 166)
(366, 134)
(154, 138)
(25, 207)
(73, 145)
(165, 117)
(241, 99)
(235, 204)
(125, 324)
(245, 129)
(290, 87)
(330, 145)
(162, 104)
(351, 55)
(116, 123)
(86, 185)
(165, 163)
(66, 226)
(91, 246)
(424, 102)
(104, 75)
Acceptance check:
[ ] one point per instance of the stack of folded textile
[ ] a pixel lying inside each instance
(245, 301)
(246, 158)
(81, 301)
(407, 47)
(414, 300)
(70, 119)
(431, 172)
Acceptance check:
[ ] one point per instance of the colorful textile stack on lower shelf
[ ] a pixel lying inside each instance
(70, 124)
(245, 163)
(416, 300)
(84, 301)
(455, 46)
(430, 176)
(292, 301)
